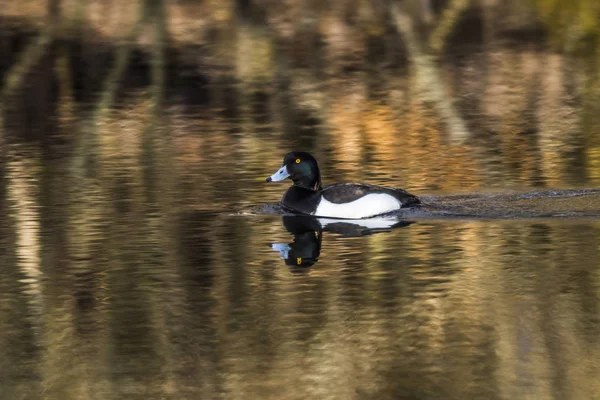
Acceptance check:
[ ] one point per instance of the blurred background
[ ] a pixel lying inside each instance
(135, 137)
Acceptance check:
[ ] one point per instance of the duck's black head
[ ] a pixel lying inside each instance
(301, 168)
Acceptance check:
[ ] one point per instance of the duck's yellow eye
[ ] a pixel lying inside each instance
(297, 161)
(299, 260)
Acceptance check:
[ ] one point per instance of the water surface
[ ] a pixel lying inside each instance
(142, 255)
(104, 295)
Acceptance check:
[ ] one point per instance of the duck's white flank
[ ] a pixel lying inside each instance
(365, 207)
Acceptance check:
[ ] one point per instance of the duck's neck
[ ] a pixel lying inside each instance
(309, 183)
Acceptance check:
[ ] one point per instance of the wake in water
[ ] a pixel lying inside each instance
(584, 203)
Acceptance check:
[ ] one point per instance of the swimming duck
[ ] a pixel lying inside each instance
(340, 200)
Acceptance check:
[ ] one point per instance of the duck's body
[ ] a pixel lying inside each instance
(347, 200)
(341, 200)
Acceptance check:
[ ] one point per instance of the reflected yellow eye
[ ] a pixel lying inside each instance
(297, 161)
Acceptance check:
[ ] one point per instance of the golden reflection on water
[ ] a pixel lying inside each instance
(188, 302)
(172, 296)
(146, 277)
(23, 186)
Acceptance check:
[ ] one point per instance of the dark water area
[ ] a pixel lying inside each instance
(143, 256)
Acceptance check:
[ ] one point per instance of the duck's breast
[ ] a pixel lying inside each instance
(301, 200)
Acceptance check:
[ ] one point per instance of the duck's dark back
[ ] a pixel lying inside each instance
(340, 193)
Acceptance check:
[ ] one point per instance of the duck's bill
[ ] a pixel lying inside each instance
(279, 175)
(283, 249)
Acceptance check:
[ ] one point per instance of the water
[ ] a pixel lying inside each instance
(142, 255)
(106, 294)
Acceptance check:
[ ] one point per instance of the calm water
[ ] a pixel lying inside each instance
(118, 289)
(142, 255)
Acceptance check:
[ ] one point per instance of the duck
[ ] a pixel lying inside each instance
(307, 196)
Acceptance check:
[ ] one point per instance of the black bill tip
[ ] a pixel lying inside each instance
(269, 179)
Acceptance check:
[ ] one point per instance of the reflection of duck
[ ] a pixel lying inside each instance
(305, 249)
(341, 200)
(308, 231)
